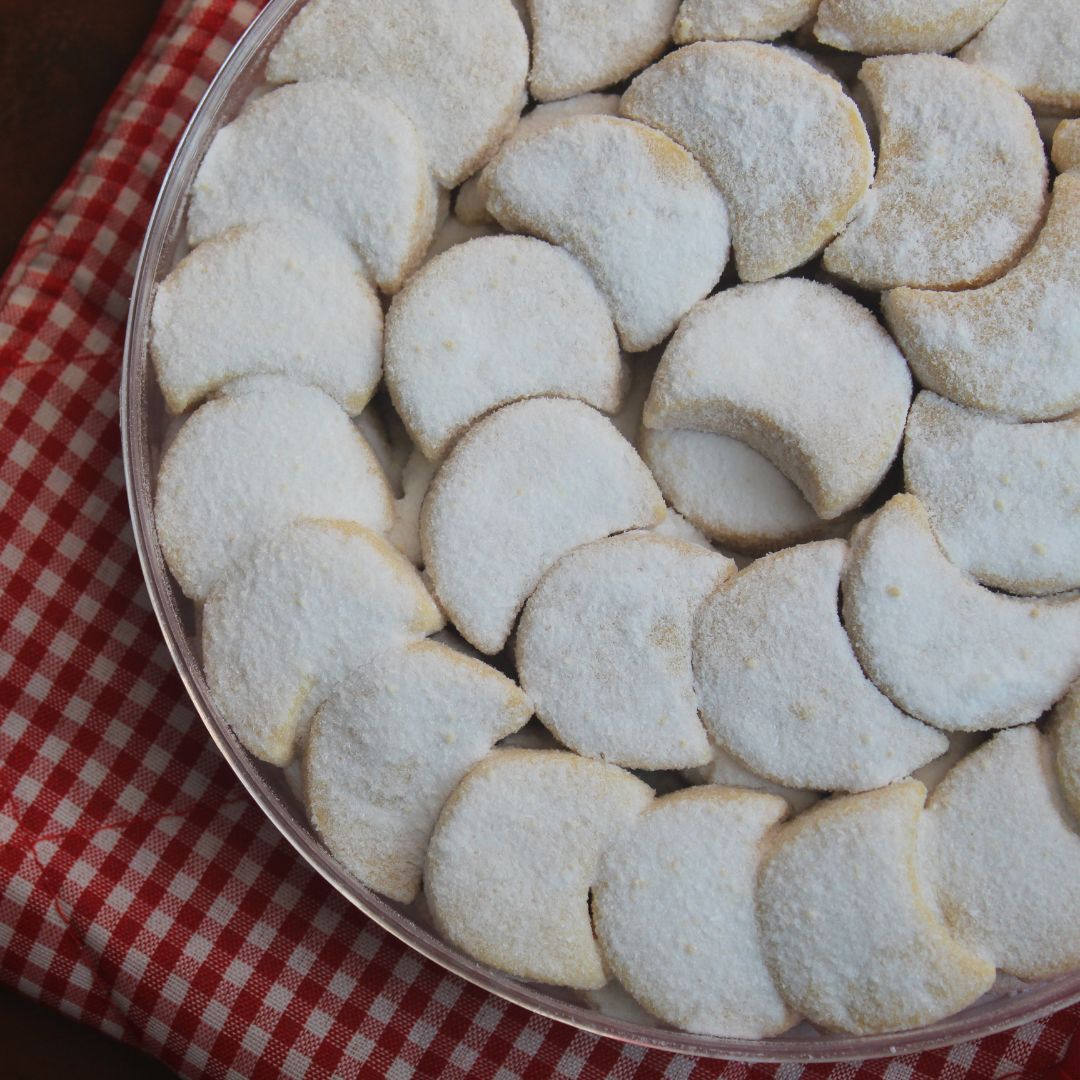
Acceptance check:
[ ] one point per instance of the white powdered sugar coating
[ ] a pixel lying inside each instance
(278, 298)
(454, 231)
(390, 745)
(673, 908)
(521, 488)
(288, 623)
(514, 853)
(493, 321)
(457, 72)
(730, 492)
(322, 150)
(404, 534)
(779, 686)
(799, 372)
(248, 463)
(1013, 346)
(580, 45)
(1003, 498)
(728, 771)
(603, 649)
(901, 26)
(942, 647)
(1004, 859)
(848, 934)
(961, 178)
(676, 527)
(1066, 146)
(739, 20)
(1065, 730)
(784, 144)
(961, 743)
(654, 233)
(1034, 45)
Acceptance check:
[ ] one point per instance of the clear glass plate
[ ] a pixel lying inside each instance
(144, 424)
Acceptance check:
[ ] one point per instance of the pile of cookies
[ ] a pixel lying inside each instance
(674, 375)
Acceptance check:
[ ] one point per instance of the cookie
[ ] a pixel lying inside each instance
(791, 173)
(1034, 45)
(739, 20)
(676, 527)
(1002, 498)
(1066, 146)
(612, 1000)
(390, 745)
(520, 489)
(1013, 346)
(493, 321)
(673, 909)
(961, 743)
(960, 184)
(654, 234)
(728, 771)
(779, 686)
(404, 534)
(1066, 735)
(580, 45)
(277, 298)
(1004, 860)
(848, 934)
(457, 73)
(900, 26)
(455, 232)
(250, 462)
(322, 150)
(290, 621)
(942, 647)
(512, 857)
(603, 649)
(800, 373)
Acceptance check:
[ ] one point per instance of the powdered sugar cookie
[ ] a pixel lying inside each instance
(603, 649)
(1034, 45)
(728, 771)
(404, 534)
(517, 846)
(654, 234)
(286, 624)
(900, 26)
(456, 232)
(457, 73)
(580, 45)
(673, 908)
(779, 686)
(520, 489)
(1013, 346)
(676, 527)
(960, 184)
(739, 20)
(1066, 146)
(1002, 497)
(493, 321)
(799, 372)
(942, 647)
(278, 298)
(791, 173)
(324, 150)
(961, 743)
(1004, 860)
(387, 749)
(250, 462)
(848, 934)
(1066, 736)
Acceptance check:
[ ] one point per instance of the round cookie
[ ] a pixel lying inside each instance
(244, 465)
(286, 624)
(1066, 146)
(728, 771)
(603, 649)
(673, 909)
(1003, 858)
(654, 234)
(277, 298)
(387, 749)
(960, 184)
(512, 857)
(322, 150)
(520, 489)
(900, 26)
(1011, 347)
(493, 321)
(457, 72)
(1002, 498)
(942, 647)
(791, 174)
(739, 20)
(800, 373)
(849, 937)
(779, 686)
(1066, 742)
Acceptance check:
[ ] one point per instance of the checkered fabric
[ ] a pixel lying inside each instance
(141, 891)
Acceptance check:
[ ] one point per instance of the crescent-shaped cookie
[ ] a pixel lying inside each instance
(739, 20)
(727, 771)
(900, 26)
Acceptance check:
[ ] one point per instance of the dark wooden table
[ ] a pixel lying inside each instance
(59, 61)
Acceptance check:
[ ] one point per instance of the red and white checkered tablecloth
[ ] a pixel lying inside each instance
(141, 891)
